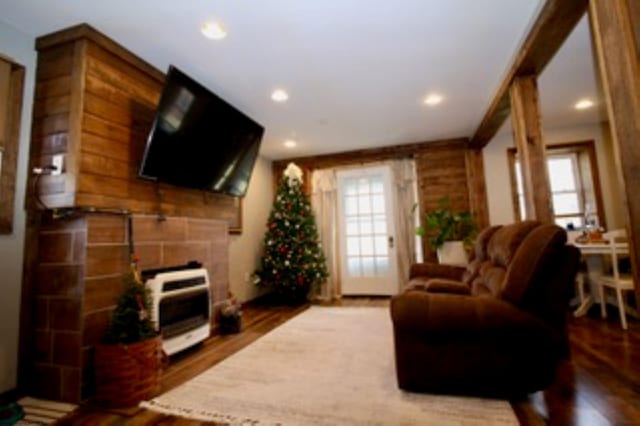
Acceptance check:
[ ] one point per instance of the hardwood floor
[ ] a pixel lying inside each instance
(600, 386)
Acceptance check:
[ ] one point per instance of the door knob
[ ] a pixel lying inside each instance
(390, 239)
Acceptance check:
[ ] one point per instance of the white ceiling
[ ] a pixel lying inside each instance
(356, 70)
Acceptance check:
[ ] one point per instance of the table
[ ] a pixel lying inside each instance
(595, 249)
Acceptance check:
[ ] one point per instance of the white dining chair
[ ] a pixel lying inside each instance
(617, 281)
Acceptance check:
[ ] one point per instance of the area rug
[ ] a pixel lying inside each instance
(327, 366)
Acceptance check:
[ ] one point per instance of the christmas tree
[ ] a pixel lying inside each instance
(293, 261)
(131, 320)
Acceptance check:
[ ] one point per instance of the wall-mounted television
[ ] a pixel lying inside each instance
(200, 141)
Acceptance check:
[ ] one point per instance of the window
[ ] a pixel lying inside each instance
(575, 189)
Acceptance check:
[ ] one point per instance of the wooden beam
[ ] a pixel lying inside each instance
(362, 156)
(527, 129)
(477, 188)
(613, 23)
(555, 22)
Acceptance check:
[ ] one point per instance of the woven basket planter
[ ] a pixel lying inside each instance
(127, 374)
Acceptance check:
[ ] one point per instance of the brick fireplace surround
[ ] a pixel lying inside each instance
(78, 276)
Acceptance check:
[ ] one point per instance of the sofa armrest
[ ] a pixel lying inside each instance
(440, 285)
(449, 315)
(434, 270)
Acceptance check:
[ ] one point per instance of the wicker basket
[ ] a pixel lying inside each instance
(127, 374)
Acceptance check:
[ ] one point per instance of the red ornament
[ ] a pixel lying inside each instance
(300, 280)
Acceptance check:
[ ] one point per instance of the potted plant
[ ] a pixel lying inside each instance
(128, 361)
(452, 232)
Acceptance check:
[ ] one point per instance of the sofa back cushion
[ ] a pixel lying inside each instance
(530, 262)
(505, 242)
(479, 255)
(487, 272)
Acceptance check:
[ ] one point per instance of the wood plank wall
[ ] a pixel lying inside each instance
(443, 168)
(95, 104)
(78, 278)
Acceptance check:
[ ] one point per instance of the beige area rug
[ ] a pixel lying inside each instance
(327, 366)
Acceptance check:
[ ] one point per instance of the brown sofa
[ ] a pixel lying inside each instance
(496, 328)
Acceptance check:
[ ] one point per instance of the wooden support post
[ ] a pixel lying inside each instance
(477, 188)
(525, 116)
(615, 25)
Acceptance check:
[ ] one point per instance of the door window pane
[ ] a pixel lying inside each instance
(365, 225)
(376, 186)
(350, 186)
(353, 246)
(378, 203)
(368, 267)
(379, 224)
(364, 205)
(363, 186)
(354, 266)
(351, 225)
(350, 206)
(381, 246)
(366, 246)
(382, 265)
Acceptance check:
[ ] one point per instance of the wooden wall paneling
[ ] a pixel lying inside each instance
(363, 156)
(477, 188)
(51, 129)
(554, 23)
(441, 172)
(98, 114)
(613, 23)
(12, 84)
(371, 155)
(527, 129)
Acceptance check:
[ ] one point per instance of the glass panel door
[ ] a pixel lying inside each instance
(366, 232)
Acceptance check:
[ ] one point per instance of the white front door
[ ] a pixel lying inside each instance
(366, 232)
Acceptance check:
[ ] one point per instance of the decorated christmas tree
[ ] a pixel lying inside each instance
(293, 261)
(131, 319)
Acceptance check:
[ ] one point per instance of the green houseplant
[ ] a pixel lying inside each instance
(450, 232)
(128, 361)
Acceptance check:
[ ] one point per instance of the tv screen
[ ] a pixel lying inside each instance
(200, 141)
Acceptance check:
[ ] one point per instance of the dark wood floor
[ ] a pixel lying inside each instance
(600, 386)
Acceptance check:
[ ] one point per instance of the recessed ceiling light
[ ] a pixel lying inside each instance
(583, 104)
(213, 30)
(279, 95)
(290, 143)
(433, 99)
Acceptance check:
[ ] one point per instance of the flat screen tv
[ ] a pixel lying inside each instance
(200, 141)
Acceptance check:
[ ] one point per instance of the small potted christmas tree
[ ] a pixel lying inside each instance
(128, 361)
(293, 261)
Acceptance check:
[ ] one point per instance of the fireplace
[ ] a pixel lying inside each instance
(181, 307)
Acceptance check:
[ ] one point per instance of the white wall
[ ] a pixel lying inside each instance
(18, 47)
(496, 169)
(246, 249)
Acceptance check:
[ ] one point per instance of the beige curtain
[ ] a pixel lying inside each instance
(324, 199)
(403, 173)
